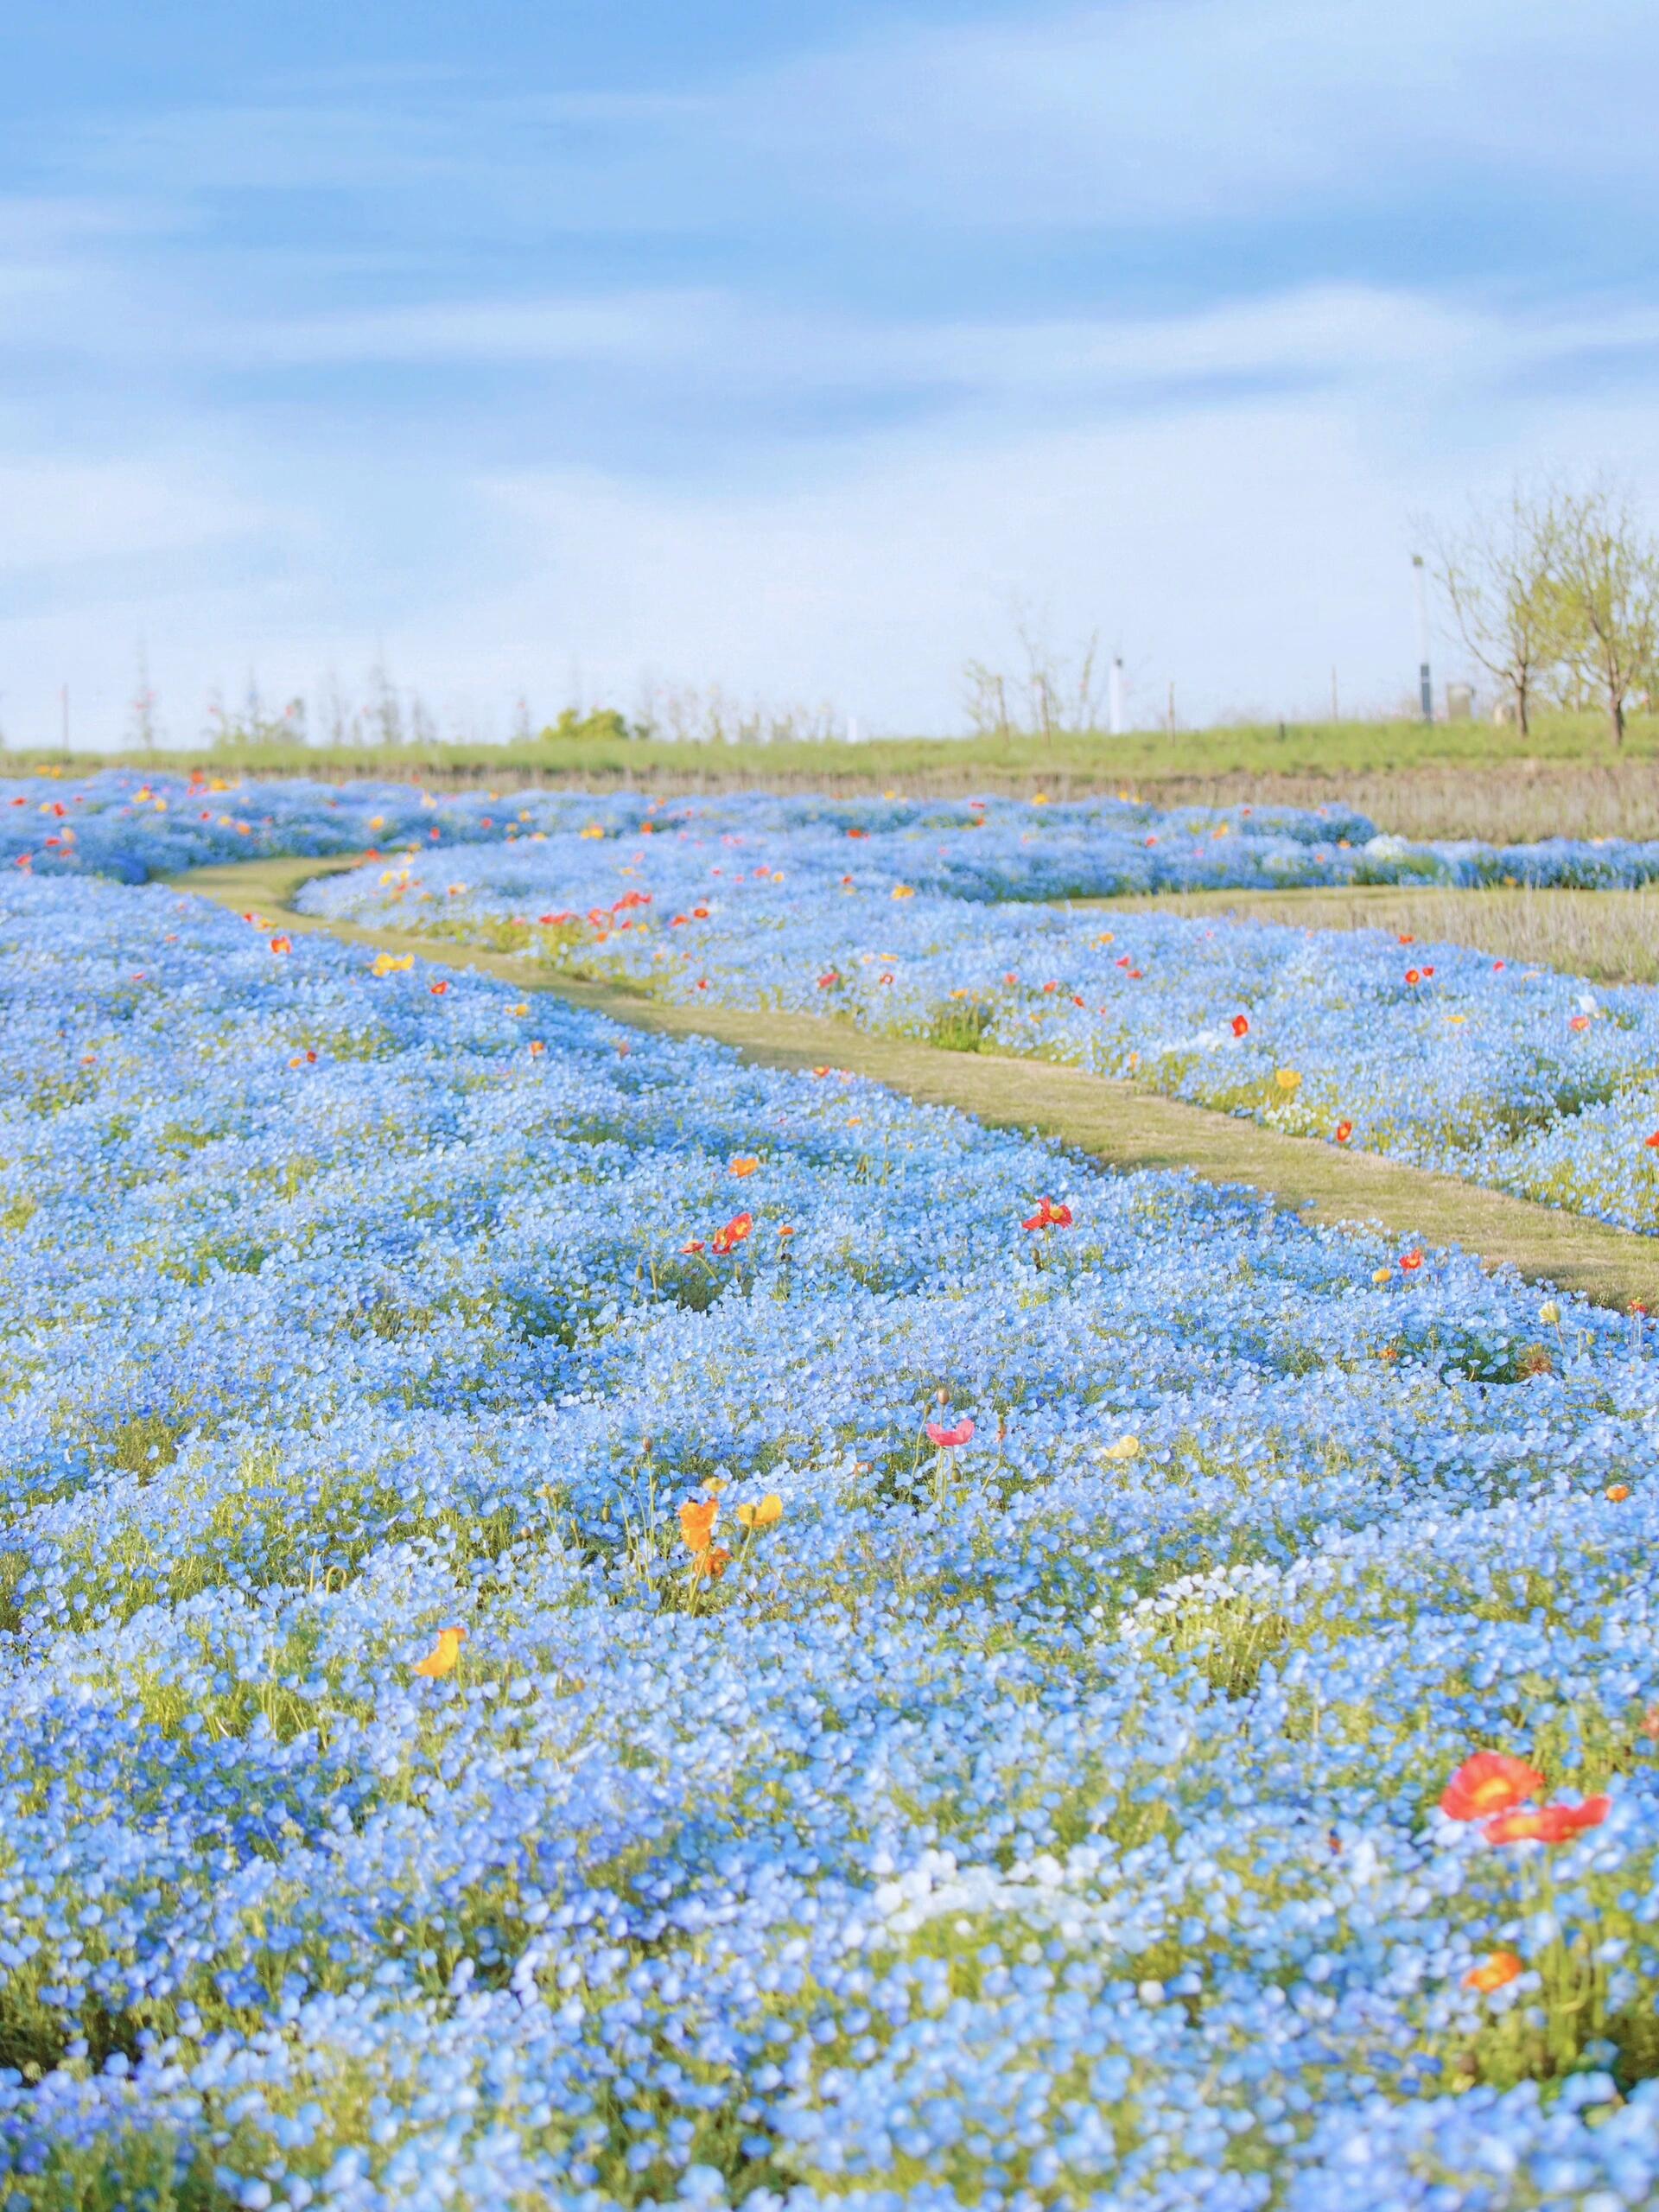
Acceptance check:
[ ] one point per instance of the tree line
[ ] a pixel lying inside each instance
(1554, 591)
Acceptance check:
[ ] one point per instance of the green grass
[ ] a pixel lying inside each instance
(1328, 750)
(1118, 1122)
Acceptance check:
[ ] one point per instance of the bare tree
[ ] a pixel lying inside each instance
(1502, 578)
(1057, 692)
(1609, 595)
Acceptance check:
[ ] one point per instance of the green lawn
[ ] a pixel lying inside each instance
(1330, 751)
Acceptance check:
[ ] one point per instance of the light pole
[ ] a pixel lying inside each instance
(1424, 686)
(1114, 713)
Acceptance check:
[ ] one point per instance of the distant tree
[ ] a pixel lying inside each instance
(1608, 569)
(1502, 577)
(1056, 694)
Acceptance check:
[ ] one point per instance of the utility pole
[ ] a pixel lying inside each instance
(1115, 714)
(1425, 687)
(1334, 716)
(1170, 711)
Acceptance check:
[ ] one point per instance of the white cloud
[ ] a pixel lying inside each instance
(1181, 110)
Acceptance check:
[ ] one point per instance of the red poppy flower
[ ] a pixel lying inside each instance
(1547, 1823)
(949, 1439)
(1241, 1025)
(695, 1245)
(1414, 975)
(437, 990)
(1489, 1782)
(1345, 1130)
(1406, 937)
(727, 1239)
(1049, 1216)
(1652, 1142)
(1410, 1262)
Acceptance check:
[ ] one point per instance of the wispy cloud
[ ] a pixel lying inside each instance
(1164, 311)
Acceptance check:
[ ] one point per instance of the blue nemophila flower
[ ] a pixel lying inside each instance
(1035, 1817)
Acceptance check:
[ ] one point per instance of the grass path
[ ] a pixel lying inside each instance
(1119, 1123)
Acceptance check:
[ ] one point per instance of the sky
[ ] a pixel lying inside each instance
(539, 353)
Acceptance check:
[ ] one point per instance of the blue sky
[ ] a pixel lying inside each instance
(559, 350)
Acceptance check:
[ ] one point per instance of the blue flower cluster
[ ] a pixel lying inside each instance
(1519, 1077)
(1050, 1816)
(121, 824)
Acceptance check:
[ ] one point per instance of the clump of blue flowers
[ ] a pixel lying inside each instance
(1065, 1786)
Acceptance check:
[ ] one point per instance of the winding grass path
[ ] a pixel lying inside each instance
(1116, 1122)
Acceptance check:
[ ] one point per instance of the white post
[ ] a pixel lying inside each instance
(1334, 716)
(1115, 711)
(1426, 689)
(852, 729)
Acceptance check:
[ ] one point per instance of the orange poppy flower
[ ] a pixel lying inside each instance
(1407, 937)
(1496, 1973)
(1579, 1022)
(535, 1047)
(1414, 975)
(948, 1438)
(708, 1566)
(1241, 1025)
(727, 1239)
(1488, 1782)
(442, 1658)
(1652, 1142)
(1548, 1823)
(1619, 1492)
(697, 1519)
(1345, 1130)
(744, 1164)
(437, 990)
(695, 1245)
(282, 944)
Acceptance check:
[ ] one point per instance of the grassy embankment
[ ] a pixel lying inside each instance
(1455, 779)
(1116, 1122)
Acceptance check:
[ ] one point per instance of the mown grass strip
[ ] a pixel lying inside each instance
(1118, 1122)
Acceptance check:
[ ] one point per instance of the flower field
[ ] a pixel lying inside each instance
(585, 1624)
(1518, 1077)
